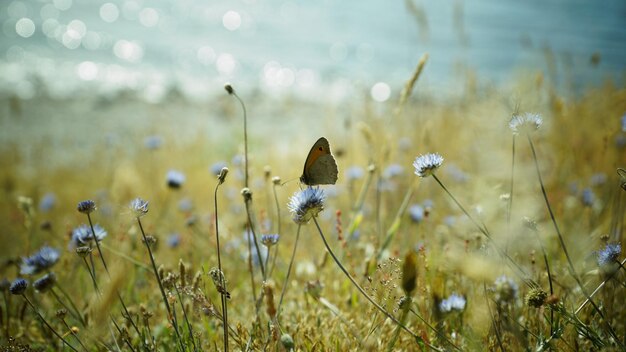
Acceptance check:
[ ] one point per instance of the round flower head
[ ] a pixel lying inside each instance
(526, 123)
(610, 254)
(505, 289)
(82, 235)
(269, 240)
(86, 206)
(454, 302)
(45, 258)
(139, 207)
(426, 164)
(306, 204)
(18, 286)
(175, 179)
(416, 212)
(45, 283)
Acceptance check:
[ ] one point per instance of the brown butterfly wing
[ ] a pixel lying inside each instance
(320, 167)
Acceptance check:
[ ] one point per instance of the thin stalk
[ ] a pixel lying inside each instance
(562, 242)
(256, 244)
(286, 283)
(219, 267)
(278, 220)
(439, 333)
(510, 205)
(493, 320)
(93, 233)
(48, 325)
(245, 137)
(73, 311)
(545, 259)
(74, 334)
(156, 274)
(485, 232)
(417, 338)
(609, 277)
(182, 306)
(393, 229)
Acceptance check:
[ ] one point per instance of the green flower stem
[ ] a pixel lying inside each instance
(286, 283)
(48, 325)
(417, 338)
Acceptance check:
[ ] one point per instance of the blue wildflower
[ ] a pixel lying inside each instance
(588, 197)
(47, 202)
(153, 142)
(624, 123)
(86, 206)
(270, 240)
(354, 173)
(45, 283)
(610, 254)
(598, 179)
(139, 207)
(173, 240)
(175, 179)
(505, 289)
(416, 212)
(393, 170)
(82, 235)
(44, 259)
(217, 167)
(454, 302)
(306, 204)
(18, 286)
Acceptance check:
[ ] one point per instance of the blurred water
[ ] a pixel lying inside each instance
(311, 48)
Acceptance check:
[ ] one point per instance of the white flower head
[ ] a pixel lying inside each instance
(426, 164)
(525, 123)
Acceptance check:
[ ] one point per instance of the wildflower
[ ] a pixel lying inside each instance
(598, 179)
(270, 240)
(624, 123)
(82, 235)
(217, 167)
(426, 164)
(173, 240)
(454, 302)
(393, 170)
(18, 286)
(505, 290)
(153, 142)
(175, 179)
(306, 204)
(588, 197)
(354, 173)
(185, 205)
(45, 283)
(536, 297)
(416, 212)
(139, 207)
(457, 174)
(45, 258)
(47, 202)
(526, 123)
(610, 254)
(86, 206)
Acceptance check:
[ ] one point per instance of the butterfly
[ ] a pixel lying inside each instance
(320, 167)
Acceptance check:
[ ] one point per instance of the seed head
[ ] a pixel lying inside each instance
(222, 175)
(536, 297)
(270, 240)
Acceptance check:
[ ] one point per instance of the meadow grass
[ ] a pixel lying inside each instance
(511, 242)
